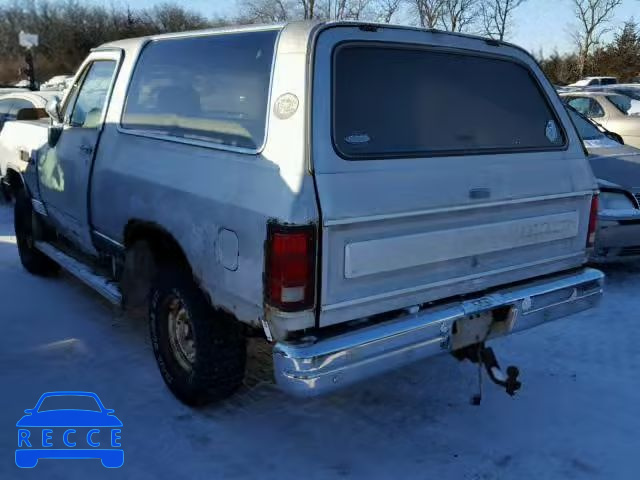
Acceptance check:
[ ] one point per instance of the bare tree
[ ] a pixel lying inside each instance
(496, 16)
(266, 11)
(308, 8)
(386, 9)
(356, 9)
(429, 12)
(169, 17)
(593, 17)
(459, 15)
(343, 9)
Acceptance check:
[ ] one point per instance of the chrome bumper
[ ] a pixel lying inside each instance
(321, 365)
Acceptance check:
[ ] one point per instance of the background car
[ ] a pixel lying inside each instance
(631, 90)
(615, 112)
(617, 168)
(13, 102)
(592, 81)
(57, 83)
(16, 144)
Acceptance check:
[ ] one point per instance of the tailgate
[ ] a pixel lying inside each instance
(440, 186)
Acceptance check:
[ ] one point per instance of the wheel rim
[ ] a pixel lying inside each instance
(180, 329)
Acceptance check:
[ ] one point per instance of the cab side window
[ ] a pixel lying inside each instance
(90, 99)
(220, 97)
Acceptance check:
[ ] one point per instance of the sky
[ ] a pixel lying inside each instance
(539, 25)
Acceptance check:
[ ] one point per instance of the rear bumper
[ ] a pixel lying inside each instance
(321, 365)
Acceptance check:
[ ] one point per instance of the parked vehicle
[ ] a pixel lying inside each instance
(615, 112)
(12, 89)
(19, 138)
(227, 196)
(11, 103)
(628, 89)
(594, 81)
(618, 235)
(57, 83)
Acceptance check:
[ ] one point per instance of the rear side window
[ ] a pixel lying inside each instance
(212, 88)
(587, 106)
(435, 103)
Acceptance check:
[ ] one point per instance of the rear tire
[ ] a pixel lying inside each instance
(201, 352)
(32, 259)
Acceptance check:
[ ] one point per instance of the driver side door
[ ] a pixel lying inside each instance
(64, 170)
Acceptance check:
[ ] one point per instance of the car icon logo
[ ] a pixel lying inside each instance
(69, 425)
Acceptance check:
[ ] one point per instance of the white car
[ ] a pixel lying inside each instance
(19, 136)
(615, 112)
(594, 81)
(58, 83)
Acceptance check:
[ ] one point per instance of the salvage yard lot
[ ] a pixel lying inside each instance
(577, 415)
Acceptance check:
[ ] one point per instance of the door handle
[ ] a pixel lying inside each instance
(86, 149)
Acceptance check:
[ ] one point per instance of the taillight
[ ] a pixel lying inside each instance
(593, 221)
(290, 267)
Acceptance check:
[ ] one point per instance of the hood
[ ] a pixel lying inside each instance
(618, 164)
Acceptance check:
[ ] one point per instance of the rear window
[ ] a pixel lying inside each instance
(426, 103)
(211, 88)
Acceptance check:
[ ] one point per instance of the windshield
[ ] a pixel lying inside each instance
(625, 104)
(586, 129)
(69, 402)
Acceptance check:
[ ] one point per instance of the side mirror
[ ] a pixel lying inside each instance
(53, 135)
(53, 109)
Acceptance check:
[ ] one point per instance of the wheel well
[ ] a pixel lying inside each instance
(164, 247)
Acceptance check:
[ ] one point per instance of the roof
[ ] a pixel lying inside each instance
(38, 96)
(137, 41)
(301, 28)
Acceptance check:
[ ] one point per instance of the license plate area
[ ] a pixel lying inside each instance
(478, 327)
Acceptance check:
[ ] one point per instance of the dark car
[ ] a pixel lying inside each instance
(617, 168)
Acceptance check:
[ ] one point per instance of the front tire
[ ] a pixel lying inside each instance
(32, 259)
(201, 352)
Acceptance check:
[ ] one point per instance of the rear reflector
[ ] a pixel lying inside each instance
(290, 267)
(593, 221)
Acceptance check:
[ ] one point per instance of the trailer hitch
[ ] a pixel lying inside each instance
(482, 355)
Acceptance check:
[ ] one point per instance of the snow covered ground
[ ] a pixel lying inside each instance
(577, 416)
